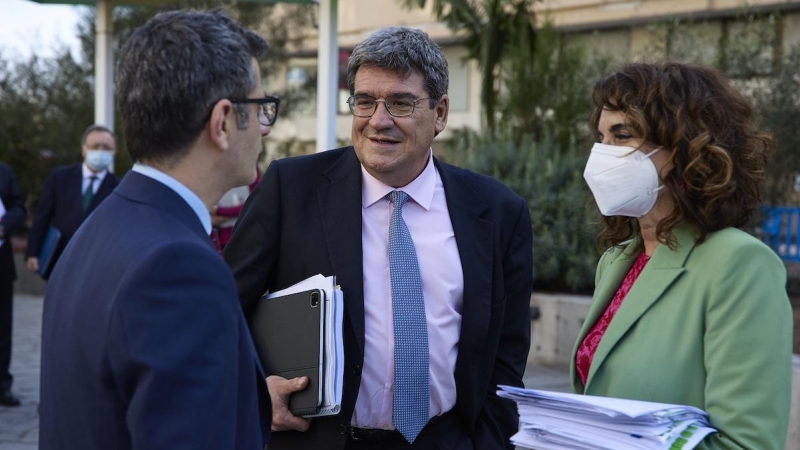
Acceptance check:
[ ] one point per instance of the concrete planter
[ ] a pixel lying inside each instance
(555, 327)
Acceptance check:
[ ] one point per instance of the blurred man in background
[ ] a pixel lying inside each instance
(70, 194)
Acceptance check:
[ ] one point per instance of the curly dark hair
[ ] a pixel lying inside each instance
(719, 152)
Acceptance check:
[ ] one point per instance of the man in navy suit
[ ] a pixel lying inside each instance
(331, 213)
(71, 193)
(12, 216)
(144, 344)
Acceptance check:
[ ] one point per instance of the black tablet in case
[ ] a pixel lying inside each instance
(288, 334)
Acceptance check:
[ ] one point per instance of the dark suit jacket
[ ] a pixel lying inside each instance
(12, 221)
(144, 344)
(60, 206)
(304, 218)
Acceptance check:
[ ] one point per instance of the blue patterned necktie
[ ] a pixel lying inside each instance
(411, 395)
(88, 194)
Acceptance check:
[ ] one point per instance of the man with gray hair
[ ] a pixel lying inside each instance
(434, 262)
(70, 194)
(144, 344)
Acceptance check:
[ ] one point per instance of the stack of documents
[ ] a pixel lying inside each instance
(558, 421)
(298, 332)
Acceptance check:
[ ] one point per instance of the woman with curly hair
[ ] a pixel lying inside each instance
(687, 308)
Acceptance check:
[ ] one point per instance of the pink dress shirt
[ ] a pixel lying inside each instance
(428, 221)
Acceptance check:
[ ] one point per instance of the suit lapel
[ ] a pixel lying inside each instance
(340, 208)
(473, 236)
(612, 278)
(664, 267)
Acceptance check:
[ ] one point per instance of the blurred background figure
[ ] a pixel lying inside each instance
(71, 193)
(224, 215)
(687, 308)
(12, 217)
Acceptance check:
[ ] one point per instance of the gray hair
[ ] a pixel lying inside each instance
(401, 50)
(95, 127)
(172, 71)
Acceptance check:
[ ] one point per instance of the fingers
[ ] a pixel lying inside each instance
(218, 220)
(279, 390)
(33, 264)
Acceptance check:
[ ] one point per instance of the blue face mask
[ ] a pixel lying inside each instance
(98, 160)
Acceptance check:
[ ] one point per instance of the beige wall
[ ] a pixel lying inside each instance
(359, 18)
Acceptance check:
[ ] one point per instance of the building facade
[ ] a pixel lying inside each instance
(621, 30)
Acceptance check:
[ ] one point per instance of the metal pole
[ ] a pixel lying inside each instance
(327, 75)
(104, 65)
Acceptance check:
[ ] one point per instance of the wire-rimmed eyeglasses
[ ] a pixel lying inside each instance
(398, 105)
(267, 108)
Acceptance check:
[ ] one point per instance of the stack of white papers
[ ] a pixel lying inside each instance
(558, 421)
(333, 344)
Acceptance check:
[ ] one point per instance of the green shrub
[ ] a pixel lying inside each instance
(778, 101)
(550, 179)
(749, 49)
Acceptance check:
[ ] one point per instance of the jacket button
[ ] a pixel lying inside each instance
(342, 428)
(357, 369)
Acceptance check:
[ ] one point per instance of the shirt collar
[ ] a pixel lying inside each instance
(88, 173)
(421, 189)
(185, 193)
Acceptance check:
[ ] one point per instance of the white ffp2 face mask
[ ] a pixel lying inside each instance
(623, 180)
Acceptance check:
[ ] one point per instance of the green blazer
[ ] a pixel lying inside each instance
(706, 325)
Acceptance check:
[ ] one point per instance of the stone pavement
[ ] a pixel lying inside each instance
(19, 426)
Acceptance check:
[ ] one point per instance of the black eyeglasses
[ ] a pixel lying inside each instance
(398, 105)
(267, 108)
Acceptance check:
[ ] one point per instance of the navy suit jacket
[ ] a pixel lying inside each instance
(12, 221)
(144, 344)
(60, 206)
(304, 218)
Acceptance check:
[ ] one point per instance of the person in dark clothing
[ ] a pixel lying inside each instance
(71, 193)
(12, 216)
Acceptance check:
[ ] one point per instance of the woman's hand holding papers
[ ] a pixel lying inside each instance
(279, 391)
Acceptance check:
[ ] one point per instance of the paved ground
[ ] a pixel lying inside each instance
(19, 427)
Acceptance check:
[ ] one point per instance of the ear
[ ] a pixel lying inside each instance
(83, 151)
(218, 126)
(442, 109)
